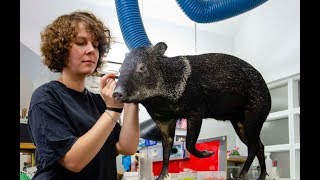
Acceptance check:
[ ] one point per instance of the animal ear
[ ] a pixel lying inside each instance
(160, 48)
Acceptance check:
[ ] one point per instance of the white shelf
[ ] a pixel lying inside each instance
(277, 148)
(289, 114)
(296, 111)
(278, 115)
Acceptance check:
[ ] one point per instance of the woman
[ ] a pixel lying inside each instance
(75, 131)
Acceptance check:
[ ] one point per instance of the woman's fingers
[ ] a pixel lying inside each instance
(112, 84)
(105, 79)
(109, 87)
(109, 82)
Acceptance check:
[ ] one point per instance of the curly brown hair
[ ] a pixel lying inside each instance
(57, 37)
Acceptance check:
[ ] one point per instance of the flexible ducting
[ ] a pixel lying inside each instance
(208, 11)
(131, 24)
(200, 11)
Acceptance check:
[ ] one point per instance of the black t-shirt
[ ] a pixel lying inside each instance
(59, 115)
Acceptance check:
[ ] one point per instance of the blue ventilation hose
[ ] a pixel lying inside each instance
(208, 11)
(131, 24)
(200, 11)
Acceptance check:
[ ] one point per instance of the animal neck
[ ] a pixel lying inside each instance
(175, 73)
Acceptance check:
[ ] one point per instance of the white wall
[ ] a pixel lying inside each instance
(270, 39)
(30, 63)
(179, 39)
(36, 14)
(25, 93)
(28, 60)
(213, 128)
(210, 42)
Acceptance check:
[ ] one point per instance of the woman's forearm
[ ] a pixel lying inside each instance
(130, 131)
(88, 145)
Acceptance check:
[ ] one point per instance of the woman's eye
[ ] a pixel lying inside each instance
(80, 43)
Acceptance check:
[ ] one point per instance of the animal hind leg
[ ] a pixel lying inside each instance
(239, 128)
(251, 140)
(193, 130)
(252, 132)
(262, 161)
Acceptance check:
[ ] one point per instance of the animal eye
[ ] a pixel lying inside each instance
(141, 68)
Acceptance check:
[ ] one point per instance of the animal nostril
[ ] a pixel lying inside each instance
(118, 96)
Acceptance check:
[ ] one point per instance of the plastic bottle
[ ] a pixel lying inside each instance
(133, 166)
(268, 163)
(275, 171)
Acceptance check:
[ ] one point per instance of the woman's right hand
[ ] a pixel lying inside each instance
(107, 85)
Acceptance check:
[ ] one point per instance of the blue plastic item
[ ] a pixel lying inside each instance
(150, 143)
(126, 162)
(131, 24)
(208, 11)
(201, 11)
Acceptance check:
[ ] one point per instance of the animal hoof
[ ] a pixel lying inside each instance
(163, 177)
(237, 178)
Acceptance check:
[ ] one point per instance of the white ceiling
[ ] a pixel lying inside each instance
(268, 36)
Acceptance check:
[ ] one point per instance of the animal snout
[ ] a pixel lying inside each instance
(118, 94)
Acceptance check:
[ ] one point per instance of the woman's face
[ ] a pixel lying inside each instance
(83, 54)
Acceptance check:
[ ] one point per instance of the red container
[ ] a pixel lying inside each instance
(198, 164)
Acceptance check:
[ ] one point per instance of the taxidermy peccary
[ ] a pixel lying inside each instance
(213, 85)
